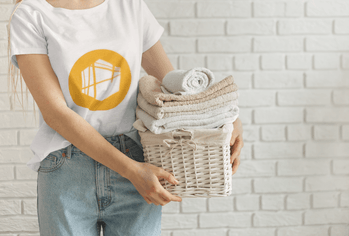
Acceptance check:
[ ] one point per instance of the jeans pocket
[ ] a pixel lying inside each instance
(52, 162)
(136, 153)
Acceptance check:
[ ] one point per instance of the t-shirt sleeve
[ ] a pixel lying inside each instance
(152, 30)
(25, 35)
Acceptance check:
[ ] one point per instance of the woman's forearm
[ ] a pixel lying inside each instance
(81, 134)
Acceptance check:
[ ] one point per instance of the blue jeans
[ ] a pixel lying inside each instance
(77, 195)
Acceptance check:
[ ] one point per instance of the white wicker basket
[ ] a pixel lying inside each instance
(199, 159)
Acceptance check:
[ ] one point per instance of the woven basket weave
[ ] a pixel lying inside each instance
(199, 159)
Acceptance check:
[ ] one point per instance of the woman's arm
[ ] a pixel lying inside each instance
(155, 61)
(43, 84)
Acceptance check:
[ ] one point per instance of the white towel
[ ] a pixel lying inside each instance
(160, 112)
(212, 119)
(183, 82)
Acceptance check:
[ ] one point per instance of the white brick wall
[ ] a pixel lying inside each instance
(290, 59)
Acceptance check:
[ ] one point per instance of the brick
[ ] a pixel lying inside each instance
(303, 97)
(278, 185)
(341, 26)
(15, 155)
(19, 223)
(315, 79)
(8, 137)
(225, 44)
(341, 96)
(327, 115)
(303, 167)
(304, 26)
(251, 133)
(341, 167)
(278, 115)
(251, 27)
(298, 201)
(23, 172)
(200, 232)
(326, 43)
(278, 150)
(197, 27)
(279, 218)
(344, 199)
(251, 98)
(15, 120)
(299, 61)
(278, 44)
(252, 232)
(175, 221)
(224, 9)
(221, 204)
(339, 230)
(171, 207)
(326, 132)
(18, 189)
(187, 62)
(5, 104)
(230, 219)
(30, 207)
(179, 45)
(326, 216)
(243, 79)
(7, 172)
(273, 133)
(345, 132)
(10, 207)
(220, 62)
(273, 62)
(345, 61)
(278, 79)
(245, 115)
(304, 231)
(246, 151)
(277, 9)
(326, 149)
(325, 61)
(298, 132)
(273, 202)
(256, 168)
(246, 62)
(193, 205)
(327, 8)
(247, 202)
(241, 186)
(325, 200)
(326, 183)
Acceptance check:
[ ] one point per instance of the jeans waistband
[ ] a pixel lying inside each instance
(111, 139)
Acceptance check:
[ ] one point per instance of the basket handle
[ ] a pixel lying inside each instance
(182, 133)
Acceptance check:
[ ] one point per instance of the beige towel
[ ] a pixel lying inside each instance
(149, 86)
(163, 112)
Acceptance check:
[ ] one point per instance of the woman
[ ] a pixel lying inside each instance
(81, 62)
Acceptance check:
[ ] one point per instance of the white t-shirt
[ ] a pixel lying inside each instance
(96, 55)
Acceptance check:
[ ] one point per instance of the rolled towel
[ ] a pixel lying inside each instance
(184, 82)
(149, 87)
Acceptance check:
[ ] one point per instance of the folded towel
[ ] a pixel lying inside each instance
(163, 112)
(183, 82)
(149, 86)
(171, 121)
(199, 123)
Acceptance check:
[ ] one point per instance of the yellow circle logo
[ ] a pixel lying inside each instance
(99, 80)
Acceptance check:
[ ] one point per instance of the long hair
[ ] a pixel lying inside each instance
(14, 75)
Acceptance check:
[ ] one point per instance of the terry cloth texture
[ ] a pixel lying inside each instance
(183, 82)
(163, 112)
(149, 86)
(206, 122)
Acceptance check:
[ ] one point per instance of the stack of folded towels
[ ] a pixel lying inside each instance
(189, 99)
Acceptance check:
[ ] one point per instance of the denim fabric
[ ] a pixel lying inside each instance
(77, 195)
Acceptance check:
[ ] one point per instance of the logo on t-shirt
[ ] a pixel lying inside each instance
(99, 80)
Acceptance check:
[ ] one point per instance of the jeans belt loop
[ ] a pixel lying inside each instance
(69, 151)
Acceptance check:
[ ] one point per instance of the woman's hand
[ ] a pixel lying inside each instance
(236, 144)
(145, 178)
